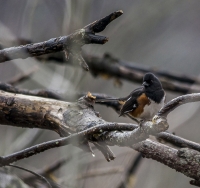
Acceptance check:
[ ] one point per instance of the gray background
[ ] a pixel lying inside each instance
(161, 34)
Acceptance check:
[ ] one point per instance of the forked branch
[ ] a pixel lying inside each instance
(71, 44)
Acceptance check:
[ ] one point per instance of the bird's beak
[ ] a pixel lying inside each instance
(145, 83)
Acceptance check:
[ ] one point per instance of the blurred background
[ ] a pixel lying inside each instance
(164, 35)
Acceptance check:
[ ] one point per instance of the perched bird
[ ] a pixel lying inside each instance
(144, 102)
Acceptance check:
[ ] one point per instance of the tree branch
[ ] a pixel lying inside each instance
(171, 138)
(133, 73)
(71, 44)
(171, 105)
(74, 138)
(80, 117)
(184, 160)
(178, 141)
(37, 92)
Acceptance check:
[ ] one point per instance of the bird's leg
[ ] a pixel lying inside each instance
(134, 119)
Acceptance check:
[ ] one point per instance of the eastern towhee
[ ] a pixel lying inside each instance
(144, 102)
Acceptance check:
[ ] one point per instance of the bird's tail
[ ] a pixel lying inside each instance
(109, 100)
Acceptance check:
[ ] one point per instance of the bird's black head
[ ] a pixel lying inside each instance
(151, 82)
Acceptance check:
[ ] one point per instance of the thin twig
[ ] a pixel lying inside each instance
(48, 170)
(37, 92)
(178, 141)
(36, 174)
(5, 160)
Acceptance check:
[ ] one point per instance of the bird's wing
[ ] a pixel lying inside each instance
(131, 103)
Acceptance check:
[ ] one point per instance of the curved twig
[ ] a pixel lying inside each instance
(34, 173)
(174, 103)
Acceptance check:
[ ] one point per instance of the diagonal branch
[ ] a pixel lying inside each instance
(71, 44)
(37, 92)
(178, 141)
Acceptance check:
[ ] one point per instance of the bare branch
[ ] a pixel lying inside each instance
(184, 160)
(36, 174)
(171, 105)
(71, 44)
(133, 73)
(178, 141)
(74, 138)
(33, 112)
(37, 92)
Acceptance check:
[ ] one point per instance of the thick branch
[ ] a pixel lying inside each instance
(184, 160)
(114, 67)
(33, 112)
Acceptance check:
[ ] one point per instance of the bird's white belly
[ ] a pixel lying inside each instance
(151, 110)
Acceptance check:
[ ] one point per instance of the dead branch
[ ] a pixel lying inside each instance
(37, 92)
(184, 160)
(71, 44)
(67, 118)
(171, 105)
(33, 112)
(178, 141)
(128, 71)
(73, 138)
(119, 69)
(96, 63)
